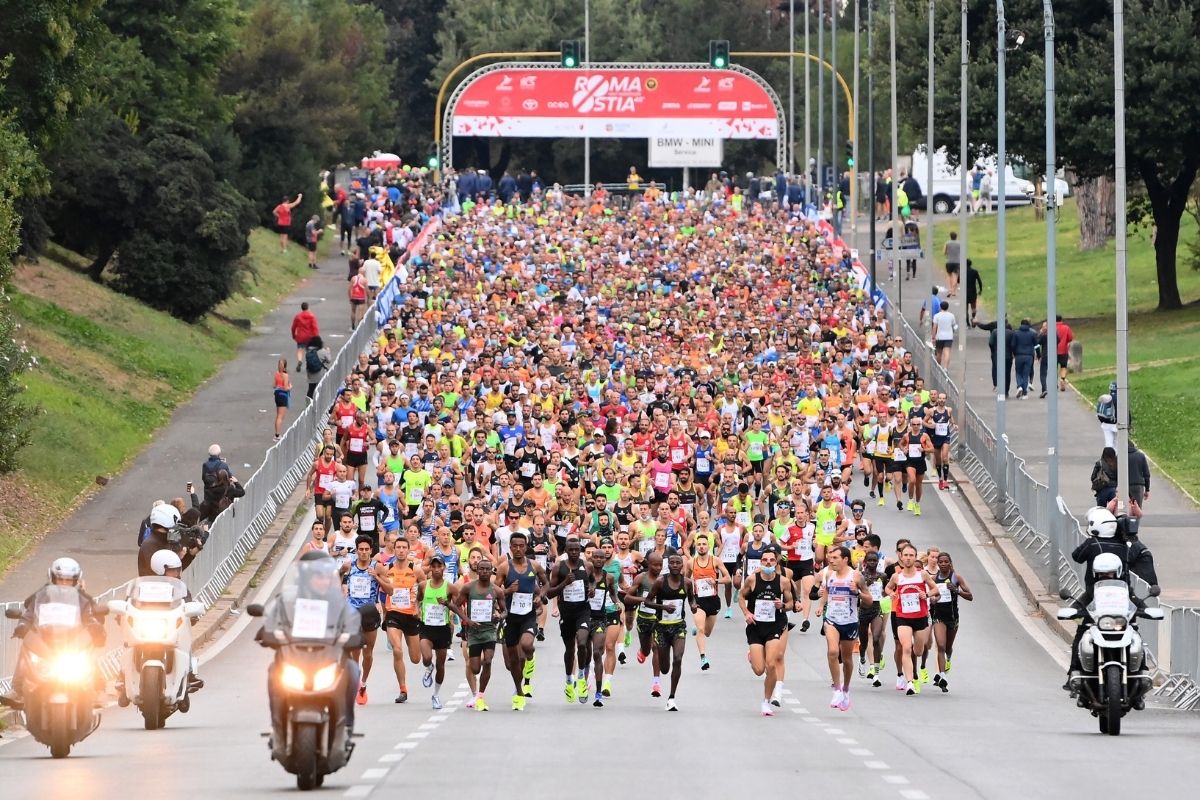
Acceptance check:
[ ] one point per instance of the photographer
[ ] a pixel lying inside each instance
(168, 531)
(224, 491)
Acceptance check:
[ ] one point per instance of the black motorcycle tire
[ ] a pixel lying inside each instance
(1110, 716)
(152, 691)
(60, 731)
(304, 758)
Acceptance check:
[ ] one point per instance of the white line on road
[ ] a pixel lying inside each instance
(913, 794)
(859, 751)
(897, 780)
(847, 740)
(374, 774)
(358, 791)
(875, 765)
(391, 758)
(418, 734)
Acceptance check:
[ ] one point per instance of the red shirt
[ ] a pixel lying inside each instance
(1063, 336)
(283, 215)
(304, 327)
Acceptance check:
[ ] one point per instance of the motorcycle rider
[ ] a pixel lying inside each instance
(317, 582)
(163, 521)
(63, 572)
(166, 563)
(1104, 567)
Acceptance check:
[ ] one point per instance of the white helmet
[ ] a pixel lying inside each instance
(1107, 563)
(1102, 523)
(164, 516)
(163, 560)
(66, 569)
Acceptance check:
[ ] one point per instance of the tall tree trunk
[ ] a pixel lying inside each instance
(1167, 202)
(96, 268)
(1096, 200)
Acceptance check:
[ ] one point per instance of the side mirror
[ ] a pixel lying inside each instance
(1065, 594)
(11, 612)
(1153, 613)
(193, 609)
(117, 606)
(1067, 613)
(1155, 590)
(255, 609)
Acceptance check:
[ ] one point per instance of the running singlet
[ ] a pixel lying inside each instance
(403, 599)
(673, 599)
(761, 602)
(910, 591)
(754, 555)
(433, 612)
(731, 544)
(841, 599)
(827, 517)
(361, 585)
(704, 577)
(574, 600)
(520, 602)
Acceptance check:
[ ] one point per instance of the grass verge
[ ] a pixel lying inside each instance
(109, 373)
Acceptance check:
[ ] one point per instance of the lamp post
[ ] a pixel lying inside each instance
(820, 103)
(871, 139)
(1052, 512)
(833, 93)
(587, 57)
(854, 188)
(791, 87)
(807, 104)
(896, 221)
(965, 48)
(1122, 325)
(929, 155)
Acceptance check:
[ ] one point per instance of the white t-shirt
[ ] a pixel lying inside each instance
(944, 326)
(373, 269)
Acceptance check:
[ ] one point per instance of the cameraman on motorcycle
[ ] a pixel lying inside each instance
(63, 572)
(320, 580)
(167, 534)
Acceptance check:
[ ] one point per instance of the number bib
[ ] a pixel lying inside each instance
(522, 603)
(764, 610)
(673, 611)
(360, 587)
(944, 595)
(401, 598)
(910, 603)
(574, 593)
(597, 601)
(435, 614)
(706, 587)
(481, 611)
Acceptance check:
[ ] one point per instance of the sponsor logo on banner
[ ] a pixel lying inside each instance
(529, 82)
(475, 103)
(699, 106)
(505, 84)
(727, 105)
(529, 104)
(598, 94)
(558, 105)
(670, 106)
(705, 85)
(725, 84)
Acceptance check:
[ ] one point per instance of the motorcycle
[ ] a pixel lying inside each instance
(310, 632)
(60, 675)
(1115, 679)
(157, 658)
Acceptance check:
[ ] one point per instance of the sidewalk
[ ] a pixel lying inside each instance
(234, 408)
(1170, 517)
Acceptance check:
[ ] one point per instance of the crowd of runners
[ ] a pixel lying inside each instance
(630, 424)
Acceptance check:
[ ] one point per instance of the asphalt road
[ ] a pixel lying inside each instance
(1004, 730)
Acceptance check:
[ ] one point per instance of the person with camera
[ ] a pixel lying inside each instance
(166, 533)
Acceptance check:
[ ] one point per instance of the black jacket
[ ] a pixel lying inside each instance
(157, 540)
(1139, 468)
(1024, 341)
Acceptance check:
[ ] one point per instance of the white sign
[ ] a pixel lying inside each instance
(685, 151)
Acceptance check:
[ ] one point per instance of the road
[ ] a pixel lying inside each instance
(1004, 730)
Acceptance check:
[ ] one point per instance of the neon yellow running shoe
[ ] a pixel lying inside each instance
(529, 667)
(518, 703)
(606, 688)
(916, 687)
(947, 665)
(924, 675)
(916, 509)
(569, 691)
(481, 704)
(910, 505)
(581, 689)
(882, 501)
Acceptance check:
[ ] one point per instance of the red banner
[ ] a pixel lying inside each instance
(616, 103)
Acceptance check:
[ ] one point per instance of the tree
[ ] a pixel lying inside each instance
(411, 50)
(1163, 111)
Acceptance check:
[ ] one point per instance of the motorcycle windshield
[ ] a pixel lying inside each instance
(1109, 599)
(57, 609)
(157, 592)
(310, 605)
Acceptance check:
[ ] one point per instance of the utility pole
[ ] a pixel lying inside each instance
(1001, 465)
(820, 103)
(896, 221)
(963, 204)
(929, 151)
(1122, 289)
(587, 58)
(855, 191)
(807, 104)
(871, 140)
(791, 87)
(1052, 512)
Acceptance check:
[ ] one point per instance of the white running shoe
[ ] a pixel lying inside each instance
(836, 699)
(844, 702)
(767, 709)
(671, 704)
(776, 696)
(901, 684)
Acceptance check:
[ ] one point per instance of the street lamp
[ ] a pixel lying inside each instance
(1000, 465)
(791, 167)
(587, 56)
(1052, 512)
(965, 47)
(929, 154)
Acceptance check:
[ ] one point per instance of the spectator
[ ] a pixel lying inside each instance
(209, 470)
(283, 395)
(373, 271)
(1104, 477)
(1063, 341)
(945, 327)
(1008, 349)
(1106, 412)
(953, 252)
(313, 229)
(225, 491)
(1139, 476)
(507, 188)
(317, 359)
(974, 290)
(304, 328)
(283, 220)
(985, 191)
(1024, 342)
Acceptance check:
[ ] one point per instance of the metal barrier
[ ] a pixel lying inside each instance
(1020, 504)
(238, 529)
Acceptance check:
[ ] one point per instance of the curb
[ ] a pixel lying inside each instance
(1044, 605)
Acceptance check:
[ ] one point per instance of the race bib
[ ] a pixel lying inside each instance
(345, 421)
(752, 565)
(742, 518)
(764, 610)
(435, 614)
(417, 494)
(527, 469)
(481, 611)
(358, 445)
(756, 449)
(673, 612)
(574, 593)
(541, 559)
(703, 465)
(910, 603)
(829, 525)
(360, 587)
(729, 551)
(645, 545)
(706, 587)
(52, 614)
(522, 603)
(944, 593)
(677, 455)
(662, 480)
(510, 447)
(401, 598)
(597, 601)
(366, 522)
(941, 428)
(308, 618)
(838, 609)
(325, 481)
(876, 591)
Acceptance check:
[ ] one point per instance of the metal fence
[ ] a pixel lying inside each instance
(1020, 504)
(238, 529)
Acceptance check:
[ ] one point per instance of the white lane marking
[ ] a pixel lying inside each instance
(373, 774)
(436, 719)
(418, 734)
(835, 731)
(847, 740)
(428, 726)
(859, 751)
(358, 791)
(1057, 650)
(791, 701)
(405, 745)
(800, 710)
(810, 719)
(391, 758)
(913, 794)
(459, 694)
(875, 765)
(897, 780)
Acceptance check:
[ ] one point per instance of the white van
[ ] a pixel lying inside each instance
(946, 184)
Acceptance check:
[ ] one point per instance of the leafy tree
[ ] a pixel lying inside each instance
(411, 50)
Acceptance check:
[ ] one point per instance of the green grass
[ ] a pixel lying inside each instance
(110, 372)
(1164, 347)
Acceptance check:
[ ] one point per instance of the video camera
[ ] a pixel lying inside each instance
(187, 537)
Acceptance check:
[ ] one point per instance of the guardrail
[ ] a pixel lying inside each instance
(1020, 503)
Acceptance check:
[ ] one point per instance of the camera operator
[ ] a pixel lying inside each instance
(168, 531)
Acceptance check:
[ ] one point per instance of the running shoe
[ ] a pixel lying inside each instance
(729, 613)
(427, 678)
(518, 702)
(621, 658)
(641, 657)
(541, 634)
(877, 683)
(924, 675)
(862, 669)
(844, 702)
(628, 638)
(362, 695)
(882, 501)
(916, 509)
(530, 664)
(527, 688)
(481, 704)
(569, 691)
(694, 630)
(908, 506)
(943, 685)
(656, 688)
(704, 665)
(871, 672)
(606, 688)
(767, 709)
(866, 481)
(901, 684)
(910, 689)
(776, 696)
(947, 665)
(470, 703)
(882, 663)
(436, 702)
(599, 701)
(581, 689)
(804, 626)
(887, 487)
(671, 704)
(836, 699)
(450, 655)
(942, 484)
(916, 685)
(402, 697)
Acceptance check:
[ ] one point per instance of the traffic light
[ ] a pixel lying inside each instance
(849, 153)
(718, 53)
(434, 162)
(570, 53)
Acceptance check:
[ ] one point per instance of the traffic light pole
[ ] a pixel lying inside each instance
(587, 60)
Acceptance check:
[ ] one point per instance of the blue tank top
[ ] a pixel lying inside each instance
(451, 561)
(526, 581)
(362, 586)
(392, 523)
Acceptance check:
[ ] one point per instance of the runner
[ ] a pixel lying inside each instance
(401, 624)
(569, 582)
(707, 574)
(604, 605)
(362, 590)
(944, 613)
(480, 606)
(667, 596)
(843, 591)
(523, 583)
(940, 427)
(910, 588)
(730, 535)
(646, 617)
(917, 446)
(630, 563)
(871, 621)
(436, 630)
(764, 600)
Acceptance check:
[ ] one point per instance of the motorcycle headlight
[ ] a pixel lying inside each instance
(325, 677)
(73, 666)
(1111, 623)
(151, 629)
(292, 677)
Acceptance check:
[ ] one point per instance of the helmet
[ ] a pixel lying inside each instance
(1107, 564)
(163, 560)
(66, 569)
(1102, 523)
(164, 516)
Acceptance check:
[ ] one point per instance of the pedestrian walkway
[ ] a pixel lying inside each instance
(233, 408)
(1169, 523)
